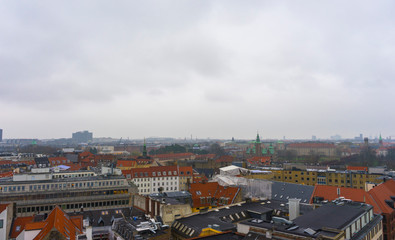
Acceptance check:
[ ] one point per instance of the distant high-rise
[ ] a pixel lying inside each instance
(313, 138)
(82, 137)
(1, 135)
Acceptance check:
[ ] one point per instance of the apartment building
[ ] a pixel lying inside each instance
(160, 178)
(352, 179)
(41, 192)
(337, 221)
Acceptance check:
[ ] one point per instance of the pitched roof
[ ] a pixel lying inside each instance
(6, 174)
(19, 225)
(264, 160)
(3, 207)
(357, 168)
(383, 192)
(213, 190)
(331, 193)
(283, 191)
(126, 163)
(68, 227)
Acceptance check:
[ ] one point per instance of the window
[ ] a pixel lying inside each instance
(164, 173)
(1, 223)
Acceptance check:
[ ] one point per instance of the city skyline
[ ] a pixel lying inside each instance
(216, 69)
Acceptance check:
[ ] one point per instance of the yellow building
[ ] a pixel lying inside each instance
(331, 178)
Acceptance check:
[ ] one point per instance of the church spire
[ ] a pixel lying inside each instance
(257, 138)
(144, 149)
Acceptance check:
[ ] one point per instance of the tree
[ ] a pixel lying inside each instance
(216, 149)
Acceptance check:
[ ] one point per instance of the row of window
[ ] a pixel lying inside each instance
(154, 179)
(154, 184)
(72, 175)
(164, 173)
(55, 186)
(148, 190)
(72, 206)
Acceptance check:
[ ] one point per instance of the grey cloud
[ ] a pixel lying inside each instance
(275, 62)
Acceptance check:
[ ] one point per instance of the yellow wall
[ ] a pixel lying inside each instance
(354, 180)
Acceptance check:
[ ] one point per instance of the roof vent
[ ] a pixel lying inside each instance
(309, 231)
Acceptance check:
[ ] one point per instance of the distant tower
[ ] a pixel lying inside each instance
(258, 146)
(380, 140)
(144, 149)
(1, 135)
(366, 140)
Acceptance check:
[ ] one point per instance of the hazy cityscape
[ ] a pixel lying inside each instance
(203, 120)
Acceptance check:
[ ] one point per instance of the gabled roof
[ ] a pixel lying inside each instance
(19, 225)
(383, 192)
(331, 193)
(59, 220)
(213, 190)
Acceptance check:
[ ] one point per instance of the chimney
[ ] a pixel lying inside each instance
(89, 233)
(293, 204)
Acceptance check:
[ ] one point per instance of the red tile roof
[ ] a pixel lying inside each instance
(126, 163)
(6, 174)
(383, 192)
(260, 160)
(357, 168)
(19, 225)
(213, 190)
(3, 207)
(330, 193)
(60, 221)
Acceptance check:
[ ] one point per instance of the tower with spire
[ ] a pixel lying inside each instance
(145, 150)
(258, 146)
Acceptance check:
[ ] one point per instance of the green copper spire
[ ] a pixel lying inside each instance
(258, 140)
(144, 149)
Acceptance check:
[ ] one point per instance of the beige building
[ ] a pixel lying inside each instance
(313, 148)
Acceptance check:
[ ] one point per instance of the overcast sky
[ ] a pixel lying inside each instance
(217, 69)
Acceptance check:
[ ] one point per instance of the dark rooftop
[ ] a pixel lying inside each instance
(332, 216)
(283, 191)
